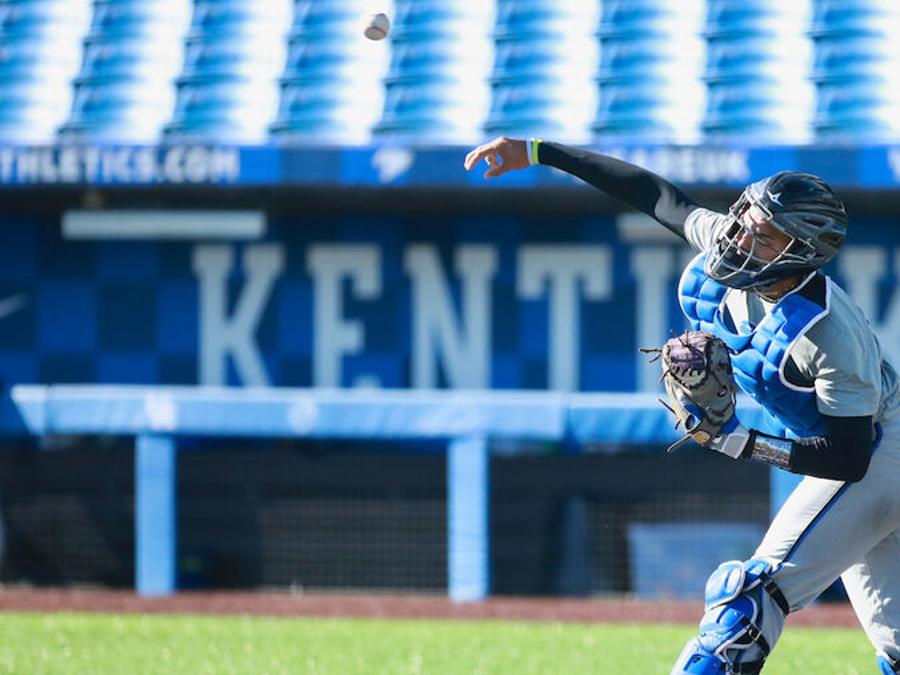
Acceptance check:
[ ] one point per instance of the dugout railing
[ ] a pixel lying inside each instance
(467, 421)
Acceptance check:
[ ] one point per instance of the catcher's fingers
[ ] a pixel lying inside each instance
(501, 154)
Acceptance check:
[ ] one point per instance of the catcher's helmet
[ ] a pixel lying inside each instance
(802, 206)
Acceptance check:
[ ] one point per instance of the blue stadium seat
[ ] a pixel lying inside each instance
(545, 60)
(436, 89)
(649, 46)
(231, 54)
(840, 18)
(321, 18)
(430, 18)
(737, 18)
(331, 90)
(107, 57)
(652, 54)
(534, 56)
(321, 110)
(40, 47)
(855, 70)
(228, 88)
(432, 112)
(124, 91)
(758, 58)
(324, 58)
(756, 110)
(117, 109)
(30, 111)
(630, 17)
(537, 108)
(856, 110)
(220, 17)
(439, 58)
(519, 19)
(229, 109)
(852, 54)
(41, 20)
(648, 109)
(138, 18)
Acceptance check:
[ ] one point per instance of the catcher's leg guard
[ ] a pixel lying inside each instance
(887, 665)
(733, 637)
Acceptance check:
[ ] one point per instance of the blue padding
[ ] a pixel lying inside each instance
(346, 413)
(325, 413)
(633, 418)
(468, 559)
(724, 584)
(695, 660)
(154, 513)
(885, 667)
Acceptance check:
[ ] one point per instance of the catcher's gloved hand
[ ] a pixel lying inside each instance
(700, 386)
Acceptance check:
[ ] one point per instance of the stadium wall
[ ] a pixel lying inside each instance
(462, 289)
(515, 288)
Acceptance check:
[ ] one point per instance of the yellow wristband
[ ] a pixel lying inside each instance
(533, 145)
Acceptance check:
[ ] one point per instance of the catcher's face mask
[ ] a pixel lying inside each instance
(752, 251)
(803, 208)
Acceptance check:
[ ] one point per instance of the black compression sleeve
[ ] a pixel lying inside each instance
(843, 453)
(637, 187)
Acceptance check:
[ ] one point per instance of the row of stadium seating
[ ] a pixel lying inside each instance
(298, 71)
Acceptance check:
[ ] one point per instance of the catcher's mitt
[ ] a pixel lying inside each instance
(700, 385)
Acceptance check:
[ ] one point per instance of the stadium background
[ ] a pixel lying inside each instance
(238, 193)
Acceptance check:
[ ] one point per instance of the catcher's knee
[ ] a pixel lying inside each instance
(744, 614)
(887, 665)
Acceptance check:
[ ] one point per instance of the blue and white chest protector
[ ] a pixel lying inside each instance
(759, 356)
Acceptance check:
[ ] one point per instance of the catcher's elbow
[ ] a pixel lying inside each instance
(857, 469)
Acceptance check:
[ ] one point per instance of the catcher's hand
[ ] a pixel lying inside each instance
(502, 155)
(700, 385)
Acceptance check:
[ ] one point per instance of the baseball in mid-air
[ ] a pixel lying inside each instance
(377, 26)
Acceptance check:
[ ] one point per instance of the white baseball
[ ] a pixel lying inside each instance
(377, 26)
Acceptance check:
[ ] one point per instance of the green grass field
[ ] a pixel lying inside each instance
(82, 644)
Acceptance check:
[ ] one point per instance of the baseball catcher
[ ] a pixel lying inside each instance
(828, 397)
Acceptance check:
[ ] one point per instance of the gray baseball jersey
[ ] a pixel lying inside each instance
(829, 528)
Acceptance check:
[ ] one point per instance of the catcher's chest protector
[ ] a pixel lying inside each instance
(758, 356)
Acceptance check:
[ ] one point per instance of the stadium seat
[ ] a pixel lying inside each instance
(331, 89)
(117, 109)
(757, 111)
(856, 66)
(648, 109)
(41, 49)
(545, 60)
(325, 18)
(758, 59)
(124, 89)
(228, 89)
(436, 88)
(228, 17)
(648, 45)
(217, 108)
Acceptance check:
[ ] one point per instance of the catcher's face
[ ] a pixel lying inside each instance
(751, 250)
(759, 238)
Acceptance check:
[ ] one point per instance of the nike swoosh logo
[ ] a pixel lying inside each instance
(12, 304)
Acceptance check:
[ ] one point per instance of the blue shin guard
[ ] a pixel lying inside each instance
(888, 666)
(731, 639)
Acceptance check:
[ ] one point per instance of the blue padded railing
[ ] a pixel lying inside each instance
(467, 420)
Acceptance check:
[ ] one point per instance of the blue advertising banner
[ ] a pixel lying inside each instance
(511, 302)
(876, 167)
